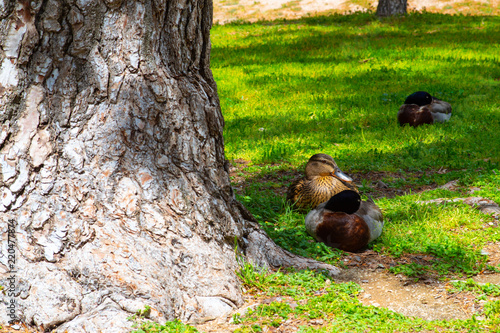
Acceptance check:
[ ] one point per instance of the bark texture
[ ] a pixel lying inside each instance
(112, 166)
(391, 7)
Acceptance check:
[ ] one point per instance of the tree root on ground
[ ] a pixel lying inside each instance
(484, 205)
(262, 251)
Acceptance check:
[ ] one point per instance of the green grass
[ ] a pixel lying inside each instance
(175, 326)
(290, 89)
(309, 296)
(483, 289)
(141, 324)
(453, 233)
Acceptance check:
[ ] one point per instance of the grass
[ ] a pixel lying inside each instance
(141, 324)
(307, 297)
(484, 289)
(333, 84)
(290, 89)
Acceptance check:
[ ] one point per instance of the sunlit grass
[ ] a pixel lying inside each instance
(288, 90)
(291, 89)
(306, 296)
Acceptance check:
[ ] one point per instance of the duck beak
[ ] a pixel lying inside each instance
(342, 176)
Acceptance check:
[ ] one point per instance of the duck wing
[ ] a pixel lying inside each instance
(441, 110)
(306, 193)
(347, 232)
(293, 190)
(414, 115)
(373, 217)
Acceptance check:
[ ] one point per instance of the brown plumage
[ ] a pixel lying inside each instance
(421, 108)
(322, 180)
(414, 115)
(347, 232)
(345, 222)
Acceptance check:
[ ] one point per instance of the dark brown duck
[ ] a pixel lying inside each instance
(421, 108)
(345, 222)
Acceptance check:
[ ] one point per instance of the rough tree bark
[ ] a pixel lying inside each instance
(391, 7)
(113, 183)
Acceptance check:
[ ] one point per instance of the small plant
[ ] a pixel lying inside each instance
(492, 309)
(275, 312)
(495, 269)
(144, 313)
(175, 326)
(489, 289)
(142, 325)
(237, 318)
(411, 270)
(254, 278)
(365, 186)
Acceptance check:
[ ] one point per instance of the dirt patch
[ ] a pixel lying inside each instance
(254, 10)
(426, 298)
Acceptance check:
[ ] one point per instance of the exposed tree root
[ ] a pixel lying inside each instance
(484, 205)
(263, 252)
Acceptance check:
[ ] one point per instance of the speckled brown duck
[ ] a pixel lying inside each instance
(345, 222)
(323, 179)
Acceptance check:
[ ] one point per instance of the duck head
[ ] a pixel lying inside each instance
(323, 165)
(346, 202)
(322, 180)
(419, 98)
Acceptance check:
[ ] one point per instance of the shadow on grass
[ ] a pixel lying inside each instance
(286, 42)
(303, 105)
(334, 85)
(466, 142)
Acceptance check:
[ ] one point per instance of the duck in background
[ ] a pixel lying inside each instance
(323, 179)
(421, 108)
(345, 222)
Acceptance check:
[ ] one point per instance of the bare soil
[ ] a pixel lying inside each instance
(254, 10)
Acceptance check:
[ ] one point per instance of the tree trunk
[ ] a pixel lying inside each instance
(391, 7)
(114, 191)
